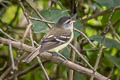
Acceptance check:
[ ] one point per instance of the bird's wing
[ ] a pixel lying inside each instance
(53, 41)
(49, 42)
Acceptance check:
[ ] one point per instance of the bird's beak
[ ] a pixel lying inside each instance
(72, 21)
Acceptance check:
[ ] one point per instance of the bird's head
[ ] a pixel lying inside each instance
(65, 22)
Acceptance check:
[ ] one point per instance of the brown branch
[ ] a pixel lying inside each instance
(11, 57)
(4, 66)
(116, 23)
(7, 35)
(37, 19)
(106, 30)
(5, 73)
(113, 31)
(27, 17)
(111, 72)
(27, 70)
(38, 58)
(43, 69)
(38, 14)
(98, 60)
(93, 45)
(100, 13)
(55, 59)
(72, 57)
(81, 56)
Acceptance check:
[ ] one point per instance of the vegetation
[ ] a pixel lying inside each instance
(94, 54)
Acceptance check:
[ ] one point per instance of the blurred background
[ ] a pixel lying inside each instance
(99, 20)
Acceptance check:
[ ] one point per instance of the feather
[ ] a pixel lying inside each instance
(51, 41)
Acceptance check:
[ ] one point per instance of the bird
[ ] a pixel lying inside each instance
(56, 39)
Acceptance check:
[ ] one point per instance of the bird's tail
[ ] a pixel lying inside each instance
(32, 55)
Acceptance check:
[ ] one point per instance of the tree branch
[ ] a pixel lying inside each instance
(100, 13)
(55, 59)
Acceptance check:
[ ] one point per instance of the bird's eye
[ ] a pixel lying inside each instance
(67, 22)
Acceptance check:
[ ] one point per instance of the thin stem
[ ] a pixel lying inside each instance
(37, 12)
(45, 73)
(98, 60)
(7, 35)
(81, 56)
(71, 72)
(11, 57)
(93, 45)
(27, 17)
(57, 60)
(37, 19)
(4, 66)
(114, 32)
(38, 58)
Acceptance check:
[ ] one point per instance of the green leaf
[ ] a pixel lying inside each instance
(114, 18)
(28, 76)
(66, 52)
(109, 43)
(51, 14)
(79, 26)
(79, 76)
(114, 60)
(37, 75)
(39, 27)
(109, 3)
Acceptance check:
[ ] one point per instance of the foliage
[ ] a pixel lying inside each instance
(92, 18)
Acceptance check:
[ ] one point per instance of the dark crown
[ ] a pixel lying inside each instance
(63, 19)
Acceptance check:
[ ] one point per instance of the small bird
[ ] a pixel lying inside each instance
(56, 38)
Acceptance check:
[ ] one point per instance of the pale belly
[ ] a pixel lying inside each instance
(56, 49)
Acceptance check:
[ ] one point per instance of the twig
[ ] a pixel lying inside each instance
(57, 60)
(98, 60)
(116, 23)
(12, 62)
(81, 56)
(111, 72)
(20, 73)
(24, 11)
(85, 37)
(37, 12)
(38, 58)
(102, 40)
(27, 17)
(2, 77)
(113, 31)
(100, 13)
(37, 19)
(4, 5)
(27, 70)
(45, 73)
(26, 31)
(7, 35)
(31, 38)
(4, 66)
(11, 57)
(72, 60)
(5, 1)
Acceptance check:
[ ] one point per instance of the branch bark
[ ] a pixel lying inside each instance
(55, 59)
